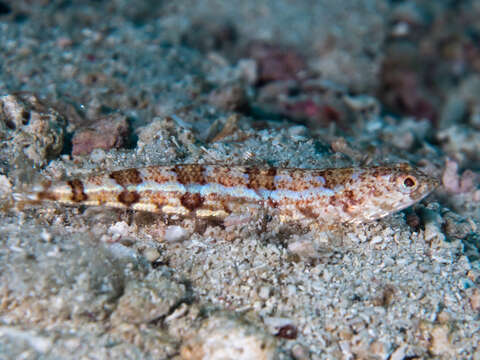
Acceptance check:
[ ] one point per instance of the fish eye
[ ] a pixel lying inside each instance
(409, 182)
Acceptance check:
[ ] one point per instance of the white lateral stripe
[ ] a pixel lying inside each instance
(233, 191)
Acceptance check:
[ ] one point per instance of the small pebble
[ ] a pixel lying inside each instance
(229, 98)
(151, 254)
(97, 155)
(440, 344)
(276, 62)
(5, 186)
(432, 231)
(229, 338)
(300, 352)
(264, 292)
(248, 69)
(108, 133)
(175, 233)
(119, 229)
(46, 236)
(475, 300)
(399, 353)
(147, 300)
(297, 130)
(302, 248)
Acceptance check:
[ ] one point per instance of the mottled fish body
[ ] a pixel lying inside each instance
(326, 196)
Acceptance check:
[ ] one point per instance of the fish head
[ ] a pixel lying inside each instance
(386, 190)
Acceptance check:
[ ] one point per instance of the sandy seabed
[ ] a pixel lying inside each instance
(88, 86)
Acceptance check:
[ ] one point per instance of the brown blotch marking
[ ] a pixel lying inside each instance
(333, 200)
(159, 174)
(307, 211)
(269, 179)
(331, 179)
(128, 197)
(46, 194)
(226, 176)
(190, 174)
(127, 177)
(225, 205)
(272, 203)
(261, 178)
(215, 221)
(346, 175)
(381, 171)
(78, 195)
(350, 195)
(377, 172)
(192, 201)
(252, 173)
(96, 180)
